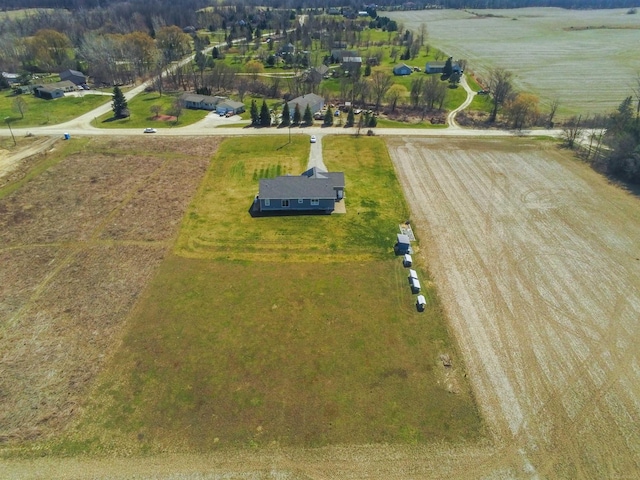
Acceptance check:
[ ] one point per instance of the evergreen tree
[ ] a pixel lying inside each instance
(215, 53)
(351, 118)
(448, 68)
(367, 70)
(296, 115)
(265, 116)
(119, 105)
(286, 116)
(255, 116)
(308, 117)
(328, 118)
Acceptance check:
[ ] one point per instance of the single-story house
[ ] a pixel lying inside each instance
(313, 191)
(351, 63)
(229, 106)
(201, 102)
(402, 69)
(438, 67)
(49, 91)
(334, 11)
(315, 102)
(74, 76)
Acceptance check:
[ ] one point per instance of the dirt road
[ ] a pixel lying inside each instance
(537, 260)
(11, 160)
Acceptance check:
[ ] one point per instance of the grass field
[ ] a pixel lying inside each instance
(42, 112)
(551, 51)
(234, 344)
(142, 117)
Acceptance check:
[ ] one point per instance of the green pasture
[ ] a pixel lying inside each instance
(142, 117)
(235, 347)
(374, 204)
(42, 112)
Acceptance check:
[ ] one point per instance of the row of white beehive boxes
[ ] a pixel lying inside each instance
(421, 302)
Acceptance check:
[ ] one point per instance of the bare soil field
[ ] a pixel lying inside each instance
(537, 261)
(78, 243)
(551, 51)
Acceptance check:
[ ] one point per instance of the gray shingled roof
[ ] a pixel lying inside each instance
(311, 184)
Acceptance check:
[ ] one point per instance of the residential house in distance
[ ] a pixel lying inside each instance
(351, 64)
(316, 74)
(338, 54)
(74, 76)
(314, 191)
(11, 78)
(227, 106)
(402, 69)
(315, 102)
(49, 91)
(438, 67)
(334, 11)
(222, 105)
(288, 49)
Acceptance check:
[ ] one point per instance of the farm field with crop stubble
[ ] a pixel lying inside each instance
(82, 229)
(585, 58)
(537, 261)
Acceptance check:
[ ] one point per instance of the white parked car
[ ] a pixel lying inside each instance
(150, 130)
(313, 139)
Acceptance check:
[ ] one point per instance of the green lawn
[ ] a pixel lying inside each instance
(142, 117)
(365, 232)
(240, 346)
(42, 112)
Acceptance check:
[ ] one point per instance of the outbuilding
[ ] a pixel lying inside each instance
(407, 261)
(402, 69)
(403, 244)
(421, 303)
(415, 285)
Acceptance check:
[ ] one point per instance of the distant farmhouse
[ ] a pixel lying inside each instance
(74, 76)
(315, 102)
(221, 105)
(313, 191)
(438, 67)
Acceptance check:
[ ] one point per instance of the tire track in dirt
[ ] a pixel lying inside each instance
(533, 282)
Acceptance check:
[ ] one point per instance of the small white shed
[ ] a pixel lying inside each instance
(407, 261)
(421, 302)
(415, 285)
(413, 274)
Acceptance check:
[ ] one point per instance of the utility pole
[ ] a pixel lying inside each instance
(6, 119)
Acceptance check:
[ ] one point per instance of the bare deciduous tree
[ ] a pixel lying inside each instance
(572, 131)
(501, 89)
(380, 83)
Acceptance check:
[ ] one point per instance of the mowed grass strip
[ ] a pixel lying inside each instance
(227, 354)
(218, 224)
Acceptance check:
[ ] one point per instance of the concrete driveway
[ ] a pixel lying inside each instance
(315, 155)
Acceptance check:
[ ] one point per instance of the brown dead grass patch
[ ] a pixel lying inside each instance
(78, 244)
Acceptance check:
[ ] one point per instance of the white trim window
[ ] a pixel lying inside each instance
(300, 200)
(285, 203)
(267, 202)
(315, 202)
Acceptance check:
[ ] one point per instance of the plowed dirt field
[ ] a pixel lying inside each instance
(537, 260)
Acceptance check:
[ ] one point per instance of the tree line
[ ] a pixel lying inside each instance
(494, 4)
